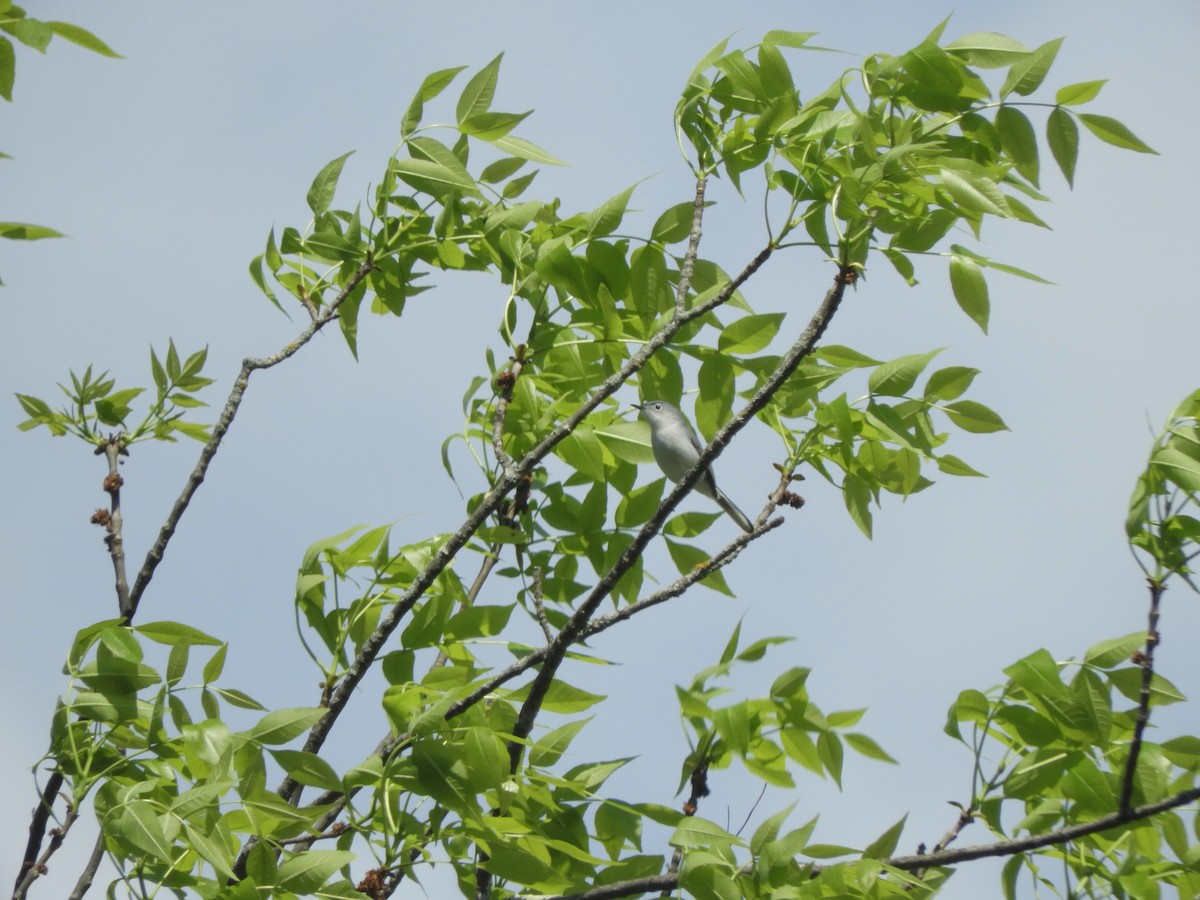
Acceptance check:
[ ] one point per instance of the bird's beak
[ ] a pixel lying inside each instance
(636, 405)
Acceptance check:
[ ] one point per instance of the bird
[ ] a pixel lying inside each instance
(677, 448)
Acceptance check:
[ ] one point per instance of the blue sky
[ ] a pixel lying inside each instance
(167, 168)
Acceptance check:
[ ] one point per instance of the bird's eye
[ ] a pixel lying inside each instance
(658, 406)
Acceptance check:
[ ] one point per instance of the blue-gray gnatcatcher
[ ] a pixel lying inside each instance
(676, 450)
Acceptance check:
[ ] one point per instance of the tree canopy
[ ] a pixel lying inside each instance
(470, 639)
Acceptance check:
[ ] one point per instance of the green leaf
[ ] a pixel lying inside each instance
(308, 769)
(140, 826)
(1129, 682)
(627, 441)
(952, 465)
(434, 84)
(1026, 75)
(211, 847)
(868, 748)
(749, 334)
(305, 873)
(256, 272)
(987, 49)
(581, 450)
(1019, 141)
(970, 289)
(1177, 466)
(857, 496)
(687, 558)
(237, 698)
(283, 725)
(8, 67)
(83, 38)
(975, 193)
(488, 126)
(829, 749)
(30, 32)
(922, 233)
(320, 195)
(514, 864)
(20, 231)
(564, 698)
(885, 845)
(1113, 132)
(550, 748)
(114, 409)
(477, 96)
(695, 832)
(674, 225)
(486, 758)
(1183, 751)
(1113, 651)
(896, 377)
(515, 146)
(479, 620)
(500, 170)
(974, 417)
(845, 357)
(794, 39)
(433, 178)
(1079, 93)
(605, 218)
(949, 383)
(215, 665)
(1062, 134)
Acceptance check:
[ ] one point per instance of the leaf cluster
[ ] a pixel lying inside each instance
(1051, 748)
(93, 404)
(1163, 525)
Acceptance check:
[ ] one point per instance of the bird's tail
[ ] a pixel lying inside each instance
(734, 513)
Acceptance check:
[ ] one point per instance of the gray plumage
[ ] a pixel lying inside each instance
(677, 448)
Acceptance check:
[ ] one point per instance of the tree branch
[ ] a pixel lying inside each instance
(909, 863)
(1049, 839)
(196, 478)
(37, 827)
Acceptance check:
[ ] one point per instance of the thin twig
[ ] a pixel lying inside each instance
(35, 871)
(114, 449)
(37, 825)
(1146, 660)
(506, 381)
(539, 607)
(88, 875)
